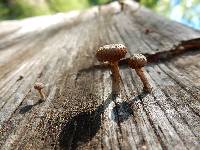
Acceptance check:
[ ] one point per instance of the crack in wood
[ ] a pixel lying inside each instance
(182, 48)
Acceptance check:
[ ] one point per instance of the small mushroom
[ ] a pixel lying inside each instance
(39, 86)
(147, 31)
(137, 62)
(122, 4)
(112, 54)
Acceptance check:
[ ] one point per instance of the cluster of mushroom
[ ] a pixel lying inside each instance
(112, 54)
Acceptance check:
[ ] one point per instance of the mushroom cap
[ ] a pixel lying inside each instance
(38, 86)
(137, 61)
(111, 52)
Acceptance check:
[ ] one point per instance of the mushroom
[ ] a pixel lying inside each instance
(137, 62)
(112, 53)
(39, 86)
(122, 4)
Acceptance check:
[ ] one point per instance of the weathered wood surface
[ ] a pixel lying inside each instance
(80, 111)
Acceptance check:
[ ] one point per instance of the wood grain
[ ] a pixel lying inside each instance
(80, 111)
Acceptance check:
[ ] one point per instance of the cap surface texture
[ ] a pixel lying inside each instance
(38, 86)
(137, 61)
(111, 52)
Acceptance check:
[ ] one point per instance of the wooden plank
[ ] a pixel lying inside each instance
(80, 111)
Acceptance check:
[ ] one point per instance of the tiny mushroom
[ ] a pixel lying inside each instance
(39, 86)
(112, 53)
(146, 31)
(137, 62)
(122, 4)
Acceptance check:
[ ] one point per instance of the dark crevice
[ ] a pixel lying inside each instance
(184, 47)
(196, 112)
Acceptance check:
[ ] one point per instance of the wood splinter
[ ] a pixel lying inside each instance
(137, 62)
(113, 53)
(39, 86)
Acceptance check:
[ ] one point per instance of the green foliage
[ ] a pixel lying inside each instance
(163, 7)
(96, 2)
(20, 9)
(66, 5)
(3, 11)
(149, 3)
(16, 9)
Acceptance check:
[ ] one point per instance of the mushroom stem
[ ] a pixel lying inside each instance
(115, 78)
(41, 94)
(141, 74)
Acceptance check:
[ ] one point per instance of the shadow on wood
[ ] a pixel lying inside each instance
(27, 108)
(83, 127)
(123, 111)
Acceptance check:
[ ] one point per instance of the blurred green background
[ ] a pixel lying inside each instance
(184, 11)
(17, 9)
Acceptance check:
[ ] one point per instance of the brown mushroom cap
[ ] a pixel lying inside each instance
(111, 53)
(38, 86)
(137, 61)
